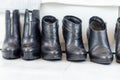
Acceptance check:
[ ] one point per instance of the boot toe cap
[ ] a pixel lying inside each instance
(102, 58)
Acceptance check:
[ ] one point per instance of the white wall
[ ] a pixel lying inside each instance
(19, 4)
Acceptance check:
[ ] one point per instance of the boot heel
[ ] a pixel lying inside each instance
(76, 58)
(30, 55)
(52, 57)
(10, 54)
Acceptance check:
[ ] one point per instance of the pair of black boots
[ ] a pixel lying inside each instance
(50, 44)
(29, 46)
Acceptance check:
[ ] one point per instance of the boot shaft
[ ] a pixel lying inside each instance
(117, 35)
(72, 30)
(31, 25)
(8, 24)
(35, 24)
(16, 24)
(117, 29)
(12, 24)
(97, 33)
(50, 28)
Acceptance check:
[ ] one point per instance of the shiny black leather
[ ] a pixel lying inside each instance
(72, 33)
(117, 38)
(12, 42)
(50, 45)
(31, 36)
(99, 49)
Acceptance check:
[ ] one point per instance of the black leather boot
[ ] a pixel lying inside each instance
(99, 49)
(31, 36)
(12, 43)
(72, 32)
(50, 45)
(117, 38)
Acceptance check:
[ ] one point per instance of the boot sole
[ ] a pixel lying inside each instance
(105, 62)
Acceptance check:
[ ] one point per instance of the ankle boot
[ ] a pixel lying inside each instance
(72, 33)
(50, 45)
(117, 38)
(99, 49)
(31, 36)
(12, 42)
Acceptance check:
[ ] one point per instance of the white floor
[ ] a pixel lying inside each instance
(57, 70)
